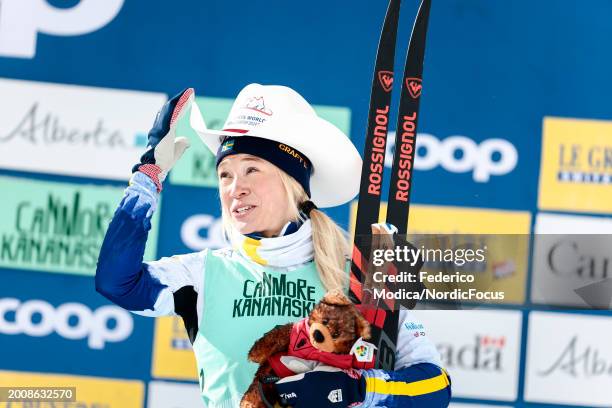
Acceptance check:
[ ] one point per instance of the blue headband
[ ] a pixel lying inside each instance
(282, 156)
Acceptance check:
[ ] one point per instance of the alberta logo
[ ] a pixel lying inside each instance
(576, 171)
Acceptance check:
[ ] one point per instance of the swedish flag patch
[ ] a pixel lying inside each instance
(227, 145)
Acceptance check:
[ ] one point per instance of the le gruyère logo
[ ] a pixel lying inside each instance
(585, 163)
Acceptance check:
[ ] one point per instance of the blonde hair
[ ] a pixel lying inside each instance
(331, 247)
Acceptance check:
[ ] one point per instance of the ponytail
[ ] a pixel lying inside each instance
(331, 248)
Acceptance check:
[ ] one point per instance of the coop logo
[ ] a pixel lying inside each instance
(22, 20)
(484, 353)
(460, 154)
(201, 231)
(38, 318)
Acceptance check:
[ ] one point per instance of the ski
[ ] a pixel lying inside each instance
(373, 167)
(384, 317)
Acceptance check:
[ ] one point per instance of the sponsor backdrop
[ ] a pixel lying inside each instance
(515, 138)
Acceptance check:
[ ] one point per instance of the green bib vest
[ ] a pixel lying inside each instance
(242, 301)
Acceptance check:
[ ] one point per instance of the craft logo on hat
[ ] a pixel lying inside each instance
(257, 104)
(293, 153)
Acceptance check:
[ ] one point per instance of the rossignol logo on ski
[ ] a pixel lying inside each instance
(414, 86)
(274, 296)
(386, 80)
(405, 150)
(378, 151)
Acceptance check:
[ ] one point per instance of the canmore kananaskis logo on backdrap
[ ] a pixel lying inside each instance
(60, 231)
(56, 227)
(274, 296)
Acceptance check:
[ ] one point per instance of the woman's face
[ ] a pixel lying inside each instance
(253, 194)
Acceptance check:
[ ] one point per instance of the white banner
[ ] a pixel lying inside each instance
(572, 261)
(479, 348)
(74, 130)
(569, 359)
(174, 395)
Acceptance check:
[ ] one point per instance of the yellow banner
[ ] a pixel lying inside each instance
(172, 352)
(576, 169)
(90, 391)
(504, 235)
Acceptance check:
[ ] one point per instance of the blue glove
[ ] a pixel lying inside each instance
(164, 148)
(322, 387)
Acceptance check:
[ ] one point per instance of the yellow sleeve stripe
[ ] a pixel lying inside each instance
(428, 386)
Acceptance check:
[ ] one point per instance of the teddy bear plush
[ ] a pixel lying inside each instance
(332, 334)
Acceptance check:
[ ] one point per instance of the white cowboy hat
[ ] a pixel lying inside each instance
(280, 114)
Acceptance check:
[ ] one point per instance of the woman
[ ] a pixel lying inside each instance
(275, 159)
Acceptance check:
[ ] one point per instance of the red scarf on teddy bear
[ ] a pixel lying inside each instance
(300, 346)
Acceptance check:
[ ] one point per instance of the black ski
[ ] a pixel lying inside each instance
(384, 317)
(373, 167)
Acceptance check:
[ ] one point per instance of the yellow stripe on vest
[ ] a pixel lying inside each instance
(250, 246)
(412, 389)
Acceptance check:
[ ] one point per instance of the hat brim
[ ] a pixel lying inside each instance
(335, 161)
